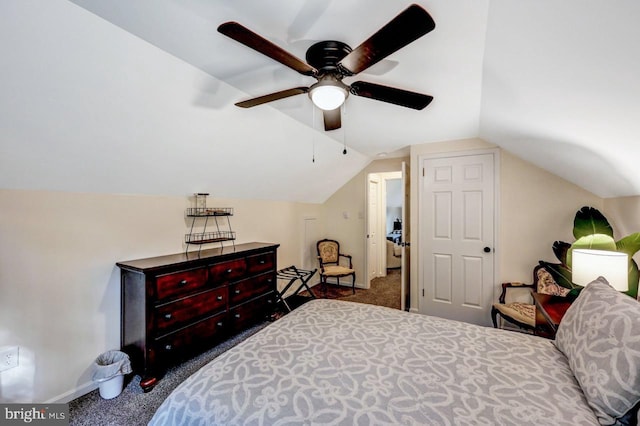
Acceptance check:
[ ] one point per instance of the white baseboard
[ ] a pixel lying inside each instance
(73, 393)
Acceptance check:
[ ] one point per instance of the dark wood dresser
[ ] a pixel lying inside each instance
(175, 306)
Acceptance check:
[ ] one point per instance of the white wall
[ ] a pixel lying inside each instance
(60, 288)
(624, 216)
(537, 208)
(395, 196)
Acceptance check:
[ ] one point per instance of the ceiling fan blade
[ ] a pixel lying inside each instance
(392, 95)
(272, 97)
(332, 119)
(247, 37)
(409, 25)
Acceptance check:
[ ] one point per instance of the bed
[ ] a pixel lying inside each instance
(336, 362)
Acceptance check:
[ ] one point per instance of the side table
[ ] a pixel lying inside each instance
(549, 313)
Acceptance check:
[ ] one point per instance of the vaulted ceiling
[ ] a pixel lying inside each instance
(446, 63)
(150, 85)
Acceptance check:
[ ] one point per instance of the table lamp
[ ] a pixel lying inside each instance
(587, 265)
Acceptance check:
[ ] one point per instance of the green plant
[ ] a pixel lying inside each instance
(593, 231)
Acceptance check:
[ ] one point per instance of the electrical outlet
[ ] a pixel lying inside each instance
(8, 358)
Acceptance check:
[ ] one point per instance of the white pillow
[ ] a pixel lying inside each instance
(600, 336)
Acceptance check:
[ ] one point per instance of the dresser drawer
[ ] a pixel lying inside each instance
(261, 262)
(251, 312)
(180, 283)
(227, 271)
(193, 336)
(250, 288)
(171, 316)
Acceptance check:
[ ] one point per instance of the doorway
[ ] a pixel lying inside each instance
(385, 249)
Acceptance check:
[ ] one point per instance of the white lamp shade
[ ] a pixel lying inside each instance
(587, 265)
(328, 97)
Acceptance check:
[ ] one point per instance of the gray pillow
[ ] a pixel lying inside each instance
(600, 336)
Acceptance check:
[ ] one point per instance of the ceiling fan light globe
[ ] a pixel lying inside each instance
(328, 97)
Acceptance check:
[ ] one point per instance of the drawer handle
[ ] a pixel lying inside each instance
(237, 315)
(229, 271)
(262, 262)
(219, 324)
(168, 347)
(219, 297)
(167, 316)
(237, 292)
(269, 280)
(183, 282)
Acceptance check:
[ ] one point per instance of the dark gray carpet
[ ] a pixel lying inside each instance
(134, 407)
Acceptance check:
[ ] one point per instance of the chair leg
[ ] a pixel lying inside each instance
(353, 284)
(494, 317)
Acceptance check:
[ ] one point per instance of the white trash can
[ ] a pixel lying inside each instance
(109, 370)
(110, 388)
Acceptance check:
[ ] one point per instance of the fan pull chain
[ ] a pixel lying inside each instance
(344, 130)
(313, 134)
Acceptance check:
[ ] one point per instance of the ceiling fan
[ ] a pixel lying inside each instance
(330, 61)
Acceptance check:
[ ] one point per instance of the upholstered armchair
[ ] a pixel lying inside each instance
(523, 314)
(334, 264)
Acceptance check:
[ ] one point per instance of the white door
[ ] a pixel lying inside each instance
(456, 223)
(405, 243)
(373, 223)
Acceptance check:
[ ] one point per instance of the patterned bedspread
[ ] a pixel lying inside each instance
(341, 363)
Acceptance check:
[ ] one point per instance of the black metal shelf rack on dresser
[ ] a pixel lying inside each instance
(209, 237)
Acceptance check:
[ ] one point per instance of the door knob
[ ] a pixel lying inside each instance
(487, 250)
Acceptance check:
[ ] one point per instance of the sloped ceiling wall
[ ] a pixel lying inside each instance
(561, 89)
(446, 63)
(88, 107)
(553, 82)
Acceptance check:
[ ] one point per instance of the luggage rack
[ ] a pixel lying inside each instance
(294, 274)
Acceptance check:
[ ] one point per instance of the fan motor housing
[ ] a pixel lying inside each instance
(325, 56)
